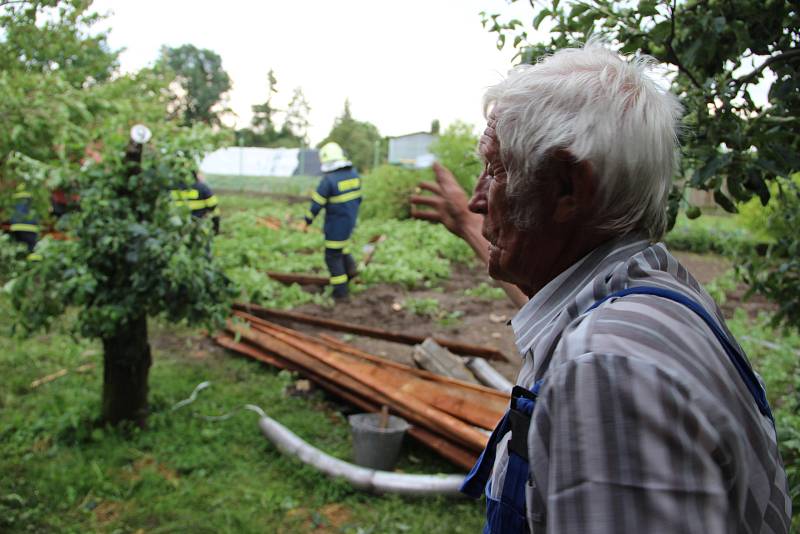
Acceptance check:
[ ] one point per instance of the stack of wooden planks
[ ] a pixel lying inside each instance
(450, 416)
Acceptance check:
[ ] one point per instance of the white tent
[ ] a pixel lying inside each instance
(251, 161)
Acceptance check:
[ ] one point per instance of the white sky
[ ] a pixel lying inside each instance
(401, 63)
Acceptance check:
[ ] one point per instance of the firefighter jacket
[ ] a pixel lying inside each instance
(339, 192)
(200, 199)
(24, 218)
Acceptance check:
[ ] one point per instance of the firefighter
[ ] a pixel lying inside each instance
(339, 192)
(24, 222)
(199, 198)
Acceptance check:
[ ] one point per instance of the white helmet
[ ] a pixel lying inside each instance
(331, 157)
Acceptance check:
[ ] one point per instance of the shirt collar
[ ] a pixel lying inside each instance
(546, 304)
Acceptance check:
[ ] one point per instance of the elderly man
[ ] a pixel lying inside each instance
(637, 411)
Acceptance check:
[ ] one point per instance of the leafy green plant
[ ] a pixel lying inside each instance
(720, 286)
(386, 191)
(132, 254)
(425, 307)
(720, 234)
(776, 274)
(485, 291)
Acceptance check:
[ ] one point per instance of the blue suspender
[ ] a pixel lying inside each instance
(498, 518)
(737, 358)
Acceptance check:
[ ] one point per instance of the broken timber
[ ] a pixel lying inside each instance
(442, 410)
(398, 337)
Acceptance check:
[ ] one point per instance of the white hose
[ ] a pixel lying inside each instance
(360, 477)
(488, 375)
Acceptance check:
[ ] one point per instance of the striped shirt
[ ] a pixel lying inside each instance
(642, 423)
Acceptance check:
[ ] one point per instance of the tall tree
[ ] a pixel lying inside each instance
(358, 138)
(202, 80)
(263, 120)
(296, 122)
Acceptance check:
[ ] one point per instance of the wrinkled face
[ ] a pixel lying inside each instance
(507, 248)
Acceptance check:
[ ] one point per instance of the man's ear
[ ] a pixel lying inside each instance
(575, 189)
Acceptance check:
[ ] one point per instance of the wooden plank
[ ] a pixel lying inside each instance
(470, 409)
(424, 373)
(445, 448)
(313, 365)
(302, 279)
(489, 403)
(398, 337)
(437, 359)
(383, 383)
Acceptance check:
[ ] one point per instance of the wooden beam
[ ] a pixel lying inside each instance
(445, 448)
(341, 326)
(302, 279)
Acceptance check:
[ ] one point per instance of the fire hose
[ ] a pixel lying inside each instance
(359, 477)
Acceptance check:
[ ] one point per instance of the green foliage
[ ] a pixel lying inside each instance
(429, 308)
(723, 284)
(12, 257)
(264, 130)
(720, 234)
(425, 307)
(485, 291)
(133, 251)
(184, 473)
(386, 191)
(777, 273)
(46, 36)
(203, 83)
(718, 52)
(457, 149)
(246, 249)
(360, 140)
(775, 354)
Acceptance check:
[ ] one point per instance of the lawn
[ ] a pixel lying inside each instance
(191, 473)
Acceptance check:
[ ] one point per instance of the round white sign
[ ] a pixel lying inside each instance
(141, 134)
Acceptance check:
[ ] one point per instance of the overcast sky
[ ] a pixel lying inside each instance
(401, 63)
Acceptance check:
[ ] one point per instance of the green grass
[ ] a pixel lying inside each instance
(291, 185)
(183, 473)
(60, 473)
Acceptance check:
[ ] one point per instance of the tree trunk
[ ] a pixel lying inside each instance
(126, 365)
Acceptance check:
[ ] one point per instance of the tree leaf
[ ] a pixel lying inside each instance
(724, 202)
(540, 17)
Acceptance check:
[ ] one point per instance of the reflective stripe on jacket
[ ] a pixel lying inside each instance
(339, 192)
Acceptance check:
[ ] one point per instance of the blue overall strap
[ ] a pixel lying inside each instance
(475, 482)
(736, 357)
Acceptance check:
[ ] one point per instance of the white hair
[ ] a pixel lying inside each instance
(601, 109)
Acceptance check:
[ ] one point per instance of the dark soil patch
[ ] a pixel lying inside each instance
(481, 321)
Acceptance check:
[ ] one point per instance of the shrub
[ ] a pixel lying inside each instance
(386, 191)
(457, 149)
(723, 234)
(776, 275)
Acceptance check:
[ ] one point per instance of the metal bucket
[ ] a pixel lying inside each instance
(373, 446)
